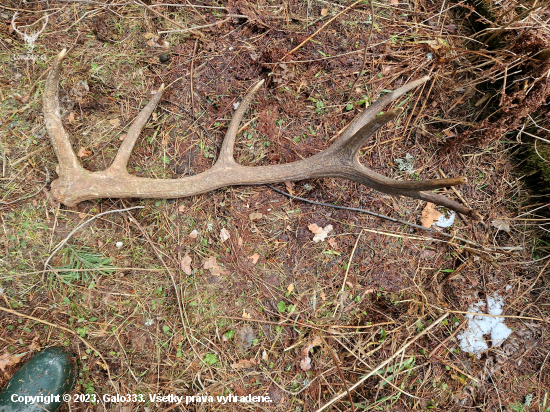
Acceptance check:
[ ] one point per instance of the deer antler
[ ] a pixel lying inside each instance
(76, 184)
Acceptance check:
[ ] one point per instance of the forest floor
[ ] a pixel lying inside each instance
(265, 310)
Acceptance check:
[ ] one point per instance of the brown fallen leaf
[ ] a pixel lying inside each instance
(224, 235)
(83, 152)
(332, 242)
(70, 118)
(254, 258)
(245, 363)
(7, 359)
(290, 187)
(212, 265)
(324, 11)
(114, 122)
(290, 288)
(429, 215)
(186, 265)
(255, 216)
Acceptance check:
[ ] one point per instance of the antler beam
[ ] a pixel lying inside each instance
(75, 184)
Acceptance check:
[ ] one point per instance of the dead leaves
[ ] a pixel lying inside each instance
(429, 215)
(254, 258)
(7, 360)
(255, 216)
(83, 152)
(224, 235)
(212, 265)
(305, 364)
(320, 233)
(186, 265)
(154, 40)
(245, 363)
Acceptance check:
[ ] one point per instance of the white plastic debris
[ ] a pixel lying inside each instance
(471, 340)
(118, 244)
(444, 221)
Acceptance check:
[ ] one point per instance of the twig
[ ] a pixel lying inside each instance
(298, 47)
(365, 50)
(64, 241)
(341, 303)
(368, 212)
(519, 17)
(175, 23)
(32, 194)
(31, 154)
(387, 361)
(196, 27)
(72, 332)
(339, 370)
(447, 339)
(528, 289)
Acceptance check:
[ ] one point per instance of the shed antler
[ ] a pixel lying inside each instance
(75, 184)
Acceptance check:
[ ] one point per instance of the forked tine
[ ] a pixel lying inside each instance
(340, 160)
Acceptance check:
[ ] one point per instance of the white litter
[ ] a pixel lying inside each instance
(444, 221)
(471, 340)
(118, 244)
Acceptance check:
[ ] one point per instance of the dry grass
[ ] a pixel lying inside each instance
(140, 324)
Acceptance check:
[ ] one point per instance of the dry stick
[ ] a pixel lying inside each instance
(380, 376)
(339, 371)
(72, 332)
(368, 212)
(64, 241)
(341, 302)
(529, 288)
(38, 272)
(199, 27)
(387, 361)
(196, 33)
(31, 154)
(307, 325)
(447, 339)
(365, 51)
(32, 194)
(321, 28)
(521, 16)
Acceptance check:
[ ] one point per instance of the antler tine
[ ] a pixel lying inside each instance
(349, 150)
(370, 112)
(68, 162)
(226, 152)
(125, 150)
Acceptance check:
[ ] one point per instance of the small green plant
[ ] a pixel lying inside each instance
(210, 359)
